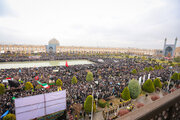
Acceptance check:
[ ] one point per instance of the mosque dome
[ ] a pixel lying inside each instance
(54, 42)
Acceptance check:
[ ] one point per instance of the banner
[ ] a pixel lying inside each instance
(40, 105)
(149, 76)
(140, 80)
(144, 77)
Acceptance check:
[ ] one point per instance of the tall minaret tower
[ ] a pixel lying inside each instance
(164, 46)
(175, 46)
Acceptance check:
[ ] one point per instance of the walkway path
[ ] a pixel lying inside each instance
(98, 116)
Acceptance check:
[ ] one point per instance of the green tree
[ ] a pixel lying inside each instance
(177, 59)
(2, 89)
(28, 86)
(157, 83)
(150, 68)
(160, 67)
(148, 86)
(134, 88)
(143, 58)
(156, 67)
(74, 80)
(89, 77)
(126, 94)
(88, 104)
(9, 117)
(59, 82)
(175, 76)
(146, 69)
(134, 71)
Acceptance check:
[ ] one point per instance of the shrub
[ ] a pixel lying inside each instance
(154, 97)
(148, 86)
(150, 68)
(102, 103)
(177, 59)
(143, 58)
(134, 88)
(28, 86)
(89, 77)
(157, 83)
(134, 71)
(139, 105)
(126, 94)
(175, 76)
(88, 104)
(123, 112)
(59, 82)
(146, 69)
(156, 67)
(160, 67)
(2, 89)
(38, 87)
(9, 117)
(74, 80)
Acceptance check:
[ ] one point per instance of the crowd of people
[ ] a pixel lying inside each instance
(110, 77)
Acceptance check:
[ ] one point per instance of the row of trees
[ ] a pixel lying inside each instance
(133, 89)
(148, 69)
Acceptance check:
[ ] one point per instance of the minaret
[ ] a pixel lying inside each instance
(174, 51)
(164, 46)
(175, 43)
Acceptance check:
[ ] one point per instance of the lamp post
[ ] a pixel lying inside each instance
(169, 78)
(92, 103)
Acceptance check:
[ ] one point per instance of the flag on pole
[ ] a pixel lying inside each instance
(66, 64)
(44, 85)
(140, 80)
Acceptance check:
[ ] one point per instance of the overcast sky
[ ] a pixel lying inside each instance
(97, 23)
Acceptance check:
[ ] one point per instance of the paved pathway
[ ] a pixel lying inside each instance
(98, 116)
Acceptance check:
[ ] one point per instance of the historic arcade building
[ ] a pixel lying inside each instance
(54, 47)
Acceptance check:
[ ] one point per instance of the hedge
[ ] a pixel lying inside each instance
(102, 103)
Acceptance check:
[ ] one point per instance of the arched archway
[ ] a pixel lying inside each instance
(50, 49)
(168, 51)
